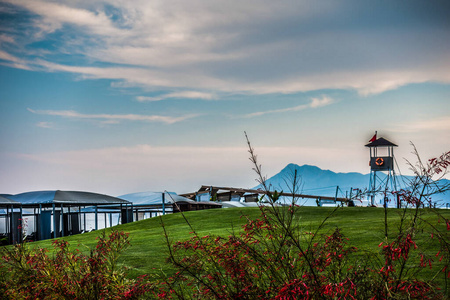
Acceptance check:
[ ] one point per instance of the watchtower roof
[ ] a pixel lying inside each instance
(381, 142)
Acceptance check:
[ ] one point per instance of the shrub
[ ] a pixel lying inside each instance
(30, 273)
(273, 258)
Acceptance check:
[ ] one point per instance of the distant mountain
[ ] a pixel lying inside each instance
(315, 181)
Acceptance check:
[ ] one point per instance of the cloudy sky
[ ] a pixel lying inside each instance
(128, 96)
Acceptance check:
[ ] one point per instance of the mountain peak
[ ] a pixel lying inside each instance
(317, 181)
(293, 166)
(304, 170)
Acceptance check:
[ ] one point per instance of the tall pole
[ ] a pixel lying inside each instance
(374, 181)
(335, 196)
(96, 217)
(62, 218)
(22, 224)
(40, 232)
(8, 222)
(54, 220)
(12, 227)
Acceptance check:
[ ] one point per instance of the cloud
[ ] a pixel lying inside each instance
(184, 94)
(138, 76)
(55, 15)
(315, 103)
(111, 118)
(436, 124)
(8, 57)
(258, 47)
(319, 102)
(4, 38)
(261, 113)
(45, 124)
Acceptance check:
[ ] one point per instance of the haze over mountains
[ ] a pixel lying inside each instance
(315, 181)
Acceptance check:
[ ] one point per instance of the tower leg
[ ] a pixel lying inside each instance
(373, 188)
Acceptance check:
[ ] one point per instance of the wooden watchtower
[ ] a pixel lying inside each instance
(382, 174)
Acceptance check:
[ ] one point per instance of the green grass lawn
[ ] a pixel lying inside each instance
(148, 252)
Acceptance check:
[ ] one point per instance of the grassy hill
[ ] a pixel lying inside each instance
(363, 226)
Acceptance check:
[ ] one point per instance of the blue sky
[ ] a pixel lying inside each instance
(129, 96)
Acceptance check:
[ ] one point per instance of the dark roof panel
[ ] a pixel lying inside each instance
(381, 142)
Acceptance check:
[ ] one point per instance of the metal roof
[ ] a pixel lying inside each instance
(153, 198)
(7, 201)
(66, 197)
(381, 142)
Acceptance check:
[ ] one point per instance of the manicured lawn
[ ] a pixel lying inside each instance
(363, 226)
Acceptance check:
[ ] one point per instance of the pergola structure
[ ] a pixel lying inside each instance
(61, 213)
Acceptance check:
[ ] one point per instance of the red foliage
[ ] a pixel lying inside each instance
(261, 263)
(70, 274)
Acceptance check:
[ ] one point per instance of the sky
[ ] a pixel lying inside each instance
(123, 96)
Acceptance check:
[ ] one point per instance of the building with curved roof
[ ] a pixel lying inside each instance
(55, 213)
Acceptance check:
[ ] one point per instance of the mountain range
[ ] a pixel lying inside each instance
(315, 181)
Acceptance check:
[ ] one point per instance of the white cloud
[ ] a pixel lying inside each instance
(436, 124)
(139, 76)
(274, 111)
(184, 94)
(6, 56)
(315, 103)
(4, 38)
(45, 124)
(55, 15)
(112, 118)
(319, 102)
(245, 47)
(365, 82)
(13, 62)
